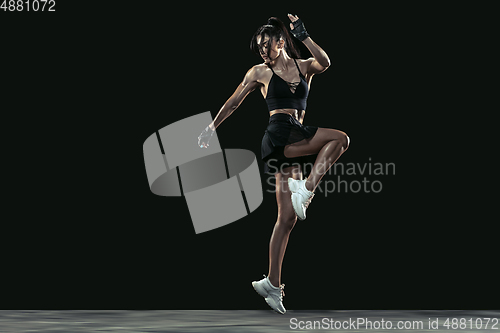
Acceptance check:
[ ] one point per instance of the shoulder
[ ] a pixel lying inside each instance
(257, 72)
(310, 66)
(304, 63)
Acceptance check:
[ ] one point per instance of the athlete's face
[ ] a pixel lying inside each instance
(269, 48)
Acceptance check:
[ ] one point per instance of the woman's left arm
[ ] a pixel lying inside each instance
(320, 62)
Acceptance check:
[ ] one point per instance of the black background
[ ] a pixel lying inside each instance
(90, 84)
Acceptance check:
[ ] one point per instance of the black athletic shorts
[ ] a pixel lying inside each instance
(283, 129)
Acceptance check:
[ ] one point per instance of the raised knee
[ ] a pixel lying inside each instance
(345, 141)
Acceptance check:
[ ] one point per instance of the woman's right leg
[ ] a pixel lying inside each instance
(328, 143)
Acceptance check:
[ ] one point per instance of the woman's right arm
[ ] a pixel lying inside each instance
(249, 83)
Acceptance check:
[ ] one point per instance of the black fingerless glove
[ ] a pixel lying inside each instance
(299, 31)
(205, 136)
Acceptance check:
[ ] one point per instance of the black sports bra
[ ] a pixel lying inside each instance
(279, 95)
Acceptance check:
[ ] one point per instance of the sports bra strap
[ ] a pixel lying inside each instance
(295, 61)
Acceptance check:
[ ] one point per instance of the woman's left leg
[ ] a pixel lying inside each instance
(270, 287)
(284, 224)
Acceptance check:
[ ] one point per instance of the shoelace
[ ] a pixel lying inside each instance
(282, 287)
(308, 201)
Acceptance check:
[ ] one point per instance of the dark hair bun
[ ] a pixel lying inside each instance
(275, 29)
(274, 21)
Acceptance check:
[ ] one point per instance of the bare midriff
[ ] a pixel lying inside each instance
(299, 115)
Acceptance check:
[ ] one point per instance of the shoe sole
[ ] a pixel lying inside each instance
(261, 291)
(272, 307)
(295, 205)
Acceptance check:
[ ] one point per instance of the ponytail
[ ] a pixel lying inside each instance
(275, 29)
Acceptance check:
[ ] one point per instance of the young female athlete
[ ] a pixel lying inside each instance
(284, 82)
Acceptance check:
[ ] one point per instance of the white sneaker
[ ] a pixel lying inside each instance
(273, 295)
(301, 197)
